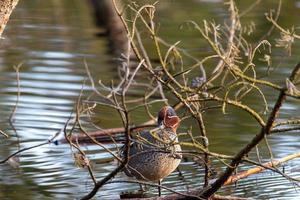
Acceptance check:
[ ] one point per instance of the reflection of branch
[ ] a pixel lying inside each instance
(28, 148)
(24, 149)
(12, 115)
(17, 69)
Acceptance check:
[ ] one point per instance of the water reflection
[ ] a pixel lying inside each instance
(52, 38)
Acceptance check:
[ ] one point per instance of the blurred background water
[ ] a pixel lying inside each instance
(53, 38)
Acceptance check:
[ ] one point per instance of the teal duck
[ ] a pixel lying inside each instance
(156, 153)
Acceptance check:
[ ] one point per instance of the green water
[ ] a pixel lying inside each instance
(53, 38)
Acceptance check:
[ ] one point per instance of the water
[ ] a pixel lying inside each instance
(53, 38)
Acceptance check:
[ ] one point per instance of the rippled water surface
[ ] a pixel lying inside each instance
(52, 39)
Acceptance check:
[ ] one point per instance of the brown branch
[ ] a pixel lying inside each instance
(237, 104)
(101, 135)
(266, 130)
(256, 170)
(180, 91)
(280, 130)
(6, 8)
(124, 115)
(221, 197)
(103, 181)
(191, 194)
(153, 185)
(3, 133)
(232, 179)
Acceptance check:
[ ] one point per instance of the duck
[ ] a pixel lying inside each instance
(155, 154)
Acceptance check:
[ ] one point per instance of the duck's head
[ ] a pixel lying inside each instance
(167, 118)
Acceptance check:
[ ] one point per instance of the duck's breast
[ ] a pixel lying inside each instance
(151, 159)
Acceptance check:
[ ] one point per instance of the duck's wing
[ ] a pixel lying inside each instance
(152, 139)
(139, 142)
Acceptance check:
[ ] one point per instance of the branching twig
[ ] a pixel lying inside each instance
(266, 130)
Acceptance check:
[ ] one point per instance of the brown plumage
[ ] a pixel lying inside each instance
(155, 154)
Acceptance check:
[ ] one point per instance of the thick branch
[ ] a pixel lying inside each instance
(260, 136)
(256, 170)
(232, 179)
(6, 8)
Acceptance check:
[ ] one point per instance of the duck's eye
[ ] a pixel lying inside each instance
(171, 112)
